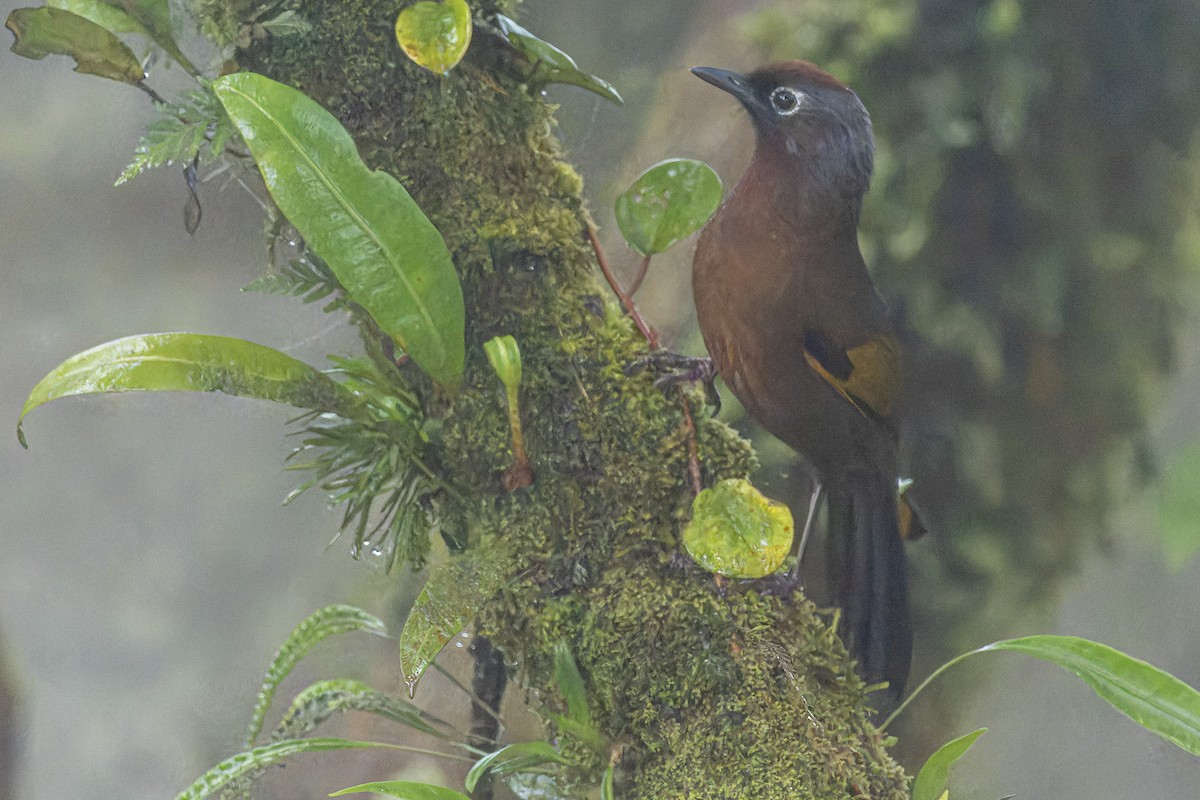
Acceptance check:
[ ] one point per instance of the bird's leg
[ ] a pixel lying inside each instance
(808, 523)
(674, 369)
(783, 584)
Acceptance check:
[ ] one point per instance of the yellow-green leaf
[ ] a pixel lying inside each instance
(505, 358)
(737, 532)
(385, 252)
(190, 362)
(435, 34)
(931, 780)
(47, 31)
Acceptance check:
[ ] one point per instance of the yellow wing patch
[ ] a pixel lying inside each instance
(874, 380)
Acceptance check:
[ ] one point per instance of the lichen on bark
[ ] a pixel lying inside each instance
(710, 690)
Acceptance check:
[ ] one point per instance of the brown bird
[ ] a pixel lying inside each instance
(796, 328)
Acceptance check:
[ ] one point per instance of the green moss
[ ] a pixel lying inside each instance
(677, 667)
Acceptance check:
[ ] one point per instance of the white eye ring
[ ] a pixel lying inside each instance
(786, 101)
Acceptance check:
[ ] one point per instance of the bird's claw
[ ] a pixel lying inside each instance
(674, 369)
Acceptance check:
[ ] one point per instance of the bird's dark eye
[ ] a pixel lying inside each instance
(785, 101)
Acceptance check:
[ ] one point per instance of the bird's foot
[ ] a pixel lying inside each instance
(673, 369)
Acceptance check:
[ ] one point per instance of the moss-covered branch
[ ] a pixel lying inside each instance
(708, 690)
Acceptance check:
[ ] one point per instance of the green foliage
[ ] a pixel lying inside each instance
(307, 277)
(668, 202)
(386, 253)
(318, 626)
(107, 16)
(321, 700)
(738, 532)
(520, 757)
(47, 31)
(373, 465)
(1156, 700)
(194, 130)
(406, 790)
(435, 34)
(505, 357)
(930, 782)
(552, 65)
(578, 720)
(450, 599)
(232, 769)
(194, 363)
(155, 17)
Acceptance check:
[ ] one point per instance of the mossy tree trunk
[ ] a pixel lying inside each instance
(706, 689)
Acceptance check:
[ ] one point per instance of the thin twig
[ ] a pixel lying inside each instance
(622, 295)
(626, 299)
(641, 276)
(693, 443)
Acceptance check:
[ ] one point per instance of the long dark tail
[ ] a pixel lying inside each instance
(867, 567)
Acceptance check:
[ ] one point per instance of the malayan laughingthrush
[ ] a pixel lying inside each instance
(801, 336)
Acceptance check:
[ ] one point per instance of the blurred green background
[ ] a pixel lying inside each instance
(1034, 204)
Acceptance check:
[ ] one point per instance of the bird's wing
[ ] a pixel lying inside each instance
(867, 374)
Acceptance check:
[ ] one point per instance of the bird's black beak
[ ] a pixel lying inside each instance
(731, 82)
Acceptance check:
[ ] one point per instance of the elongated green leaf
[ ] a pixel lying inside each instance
(316, 627)
(260, 757)
(606, 784)
(668, 202)
(323, 699)
(435, 34)
(47, 31)
(738, 532)
(931, 780)
(155, 17)
(406, 790)
(1154, 699)
(385, 252)
(570, 683)
(190, 362)
(514, 758)
(106, 16)
(552, 65)
(450, 599)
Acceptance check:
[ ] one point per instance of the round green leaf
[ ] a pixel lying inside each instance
(738, 532)
(385, 252)
(190, 362)
(668, 202)
(435, 34)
